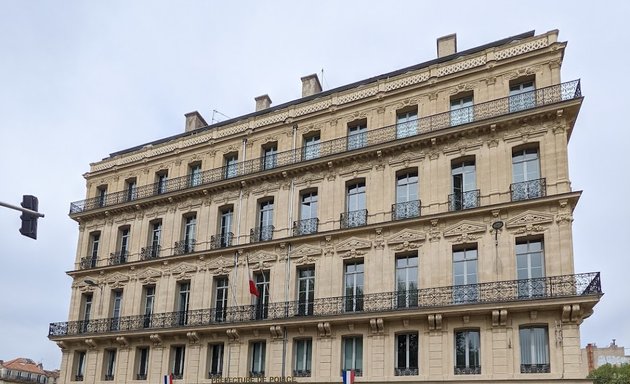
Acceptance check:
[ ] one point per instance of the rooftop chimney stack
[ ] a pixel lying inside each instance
(446, 45)
(311, 85)
(194, 121)
(262, 102)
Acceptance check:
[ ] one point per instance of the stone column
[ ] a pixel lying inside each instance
(324, 366)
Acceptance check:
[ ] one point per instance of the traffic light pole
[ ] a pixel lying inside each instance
(23, 210)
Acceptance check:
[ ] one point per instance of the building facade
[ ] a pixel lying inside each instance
(414, 226)
(23, 370)
(595, 356)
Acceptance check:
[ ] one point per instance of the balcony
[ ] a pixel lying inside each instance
(141, 376)
(88, 262)
(301, 373)
(119, 257)
(463, 200)
(389, 134)
(305, 227)
(221, 241)
(470, 370)
(109, 377)
(406, 210)
(535, 368)
(215, 375)
(184, 246)
(149, 253)
(354, 219)
(406, 371)
(264, 233)
(580, 285)
(528, 189)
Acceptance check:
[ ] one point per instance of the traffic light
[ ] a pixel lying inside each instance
(29, 221)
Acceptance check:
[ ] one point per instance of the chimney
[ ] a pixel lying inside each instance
(446, 45)
(262, 102)
(194, 121)
(310, 85)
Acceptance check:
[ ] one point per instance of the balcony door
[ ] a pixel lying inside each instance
(116, 309)
(407, 203)
(353, 285)
(221, 298)
(465, 289)
(261, 303)
(149, 303)
(226, 227)
(406, 124)
(183, 299)
(464, 185)
(522, 96)
(462, 111)
(306, 291)
(526, 174)
(530, 268)
(407, 281)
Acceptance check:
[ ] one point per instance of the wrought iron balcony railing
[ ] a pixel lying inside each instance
(78, 377)
(257, 373)
(178, 376)
(118, 257)
(535, 368)
(354, 218)
(264, 233)
(141, 376)
(491, 109)
(109, 377)
(580, 285)
(301, 373)
(215, 375)
(530, 189)
(88, 262)
(357, 372)
(221, 241)
(305, 227)
(406, 371)
(406, 210)
(470, 370)
(184, 246)
(463, 200)
(150, 252)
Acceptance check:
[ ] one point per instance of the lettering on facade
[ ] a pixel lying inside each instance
(261, 379)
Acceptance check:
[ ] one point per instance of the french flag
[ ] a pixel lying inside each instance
(348, 377)
(168, 379)
(252, 286)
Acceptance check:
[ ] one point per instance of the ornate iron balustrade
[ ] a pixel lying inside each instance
(470, 370)
(88, 262)
(184, 246)
(109, 377)
(495, 108)
(118, 257)
(141, 376)
(78, 377)
(305, 227)
(530, 189)
(301, 373)
(221, 241)
(354, 218)
(264, 233)
(150, 252)
(406, 210)
(215, 375)
(256, 373)
(178, 376)
(406, 371)
(585, 284)
(463, 200)
(535, 368)
(357, 372)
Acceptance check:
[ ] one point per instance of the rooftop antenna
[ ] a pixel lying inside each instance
(214, 111)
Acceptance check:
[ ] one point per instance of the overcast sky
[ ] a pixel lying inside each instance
(82, 79)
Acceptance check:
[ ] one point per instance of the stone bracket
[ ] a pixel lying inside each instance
(193, 337)
(377, 326)
(572, 313)
(435, 322)
(324, 329)
(276, 332)
(232, 335)
(155, 339)
(499, 317)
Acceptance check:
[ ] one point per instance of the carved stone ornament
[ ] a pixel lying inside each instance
(407, 158)
(232, 335)
(116, 278)
(156, 340)
(529, 222)
(276, 332)
(406, 236)
(182, 270)
(464, 231)
(377, 326)
(323, 329)
(260, 260)
(306, 250)
(499, 317)
(435, 322)
(149, 275)
(193, 337)
(353, 243)
(122, 341)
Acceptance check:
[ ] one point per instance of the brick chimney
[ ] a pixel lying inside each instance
(447, 45)
(262, 102)
(311, 85)
(194, 121)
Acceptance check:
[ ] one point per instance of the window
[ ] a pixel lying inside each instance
(526, 180)
(155, 237)
(120, 256)
(534, 349)
(467, 352)
(187, 245)
(90, 261)
(464, 195)
(356, 214)
(149, 302)
(183, 297)
(142, 363)
(306, 290)
(353, 285)
(462, 110)
(522, 96)
(406, 354)
(353, 354)
(131, 189)
(231, 165)
(465, 288)
(178, 355)
(530, 268)
(407, 281)
(265, 228)
(407, 202)
(269, 156)
(225, 228)
(110, 364)
(261, 303)
(406, 124)
(221, 298)
(311, 147)
(308, 214)
(79, 370)
(194, 174)
(257, 359)
(161, 180)
(101, 195)
(357, 135)
(117, 296)
(302, 357)
(86, 311)
(215, 360)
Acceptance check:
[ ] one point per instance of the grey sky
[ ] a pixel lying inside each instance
(82, 79)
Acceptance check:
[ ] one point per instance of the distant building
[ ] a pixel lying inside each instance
(23, 370)
(612, 354)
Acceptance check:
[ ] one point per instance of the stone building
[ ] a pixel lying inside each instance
(413, 226)
(595, 356)
(23, 370)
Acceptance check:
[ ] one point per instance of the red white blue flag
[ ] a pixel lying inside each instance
(348, 377)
